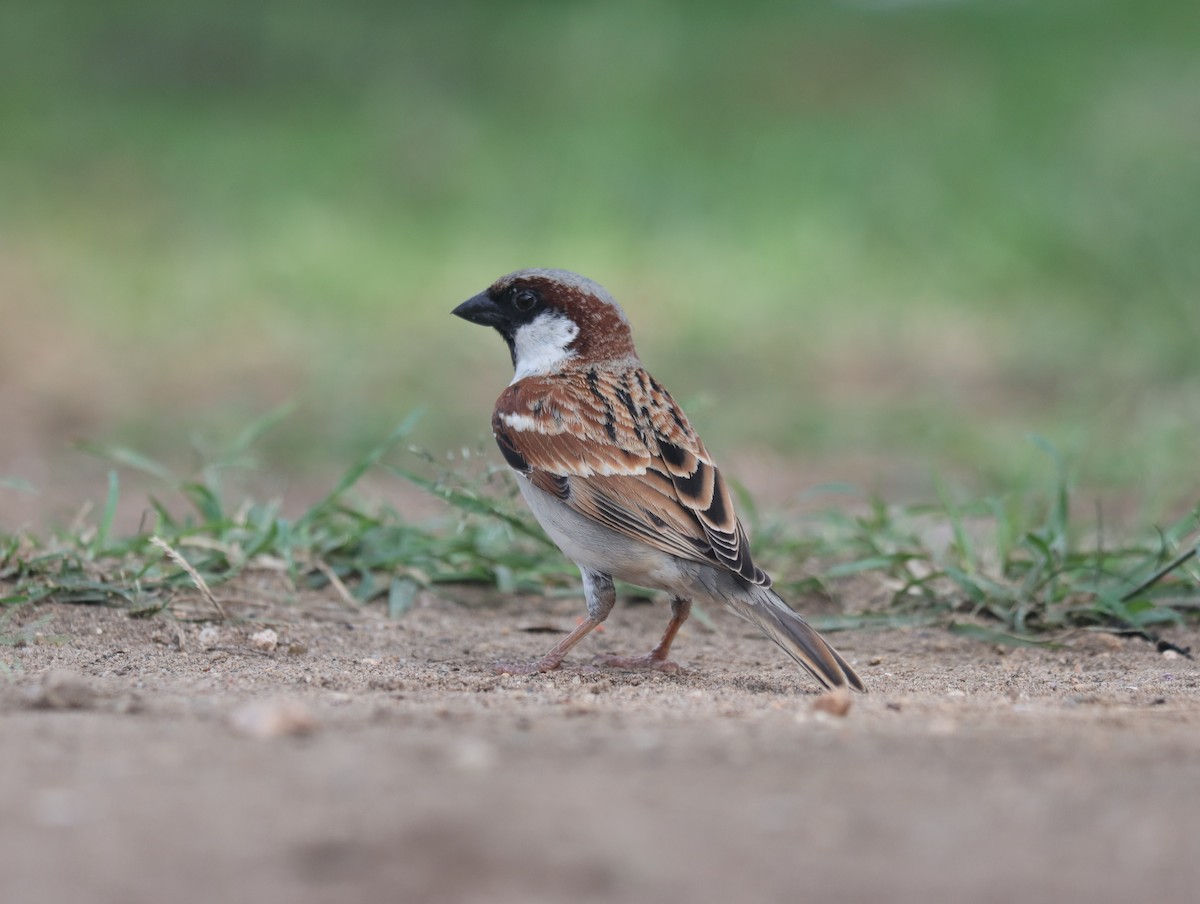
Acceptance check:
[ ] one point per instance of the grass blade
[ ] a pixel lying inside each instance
(475, 505)
(20, 484)
(401, 594)
(127, 457)
(994, 636)
(355, 472)
(110, 512)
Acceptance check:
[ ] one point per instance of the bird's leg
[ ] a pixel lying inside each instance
(600, 594)
(656, 659)
(552, 659)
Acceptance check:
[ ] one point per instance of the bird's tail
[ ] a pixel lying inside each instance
(763, 608)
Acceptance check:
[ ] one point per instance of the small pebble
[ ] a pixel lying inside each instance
(835, 702)
(265, 640)
(267, 719)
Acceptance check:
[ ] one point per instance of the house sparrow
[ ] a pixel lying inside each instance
(616, 475)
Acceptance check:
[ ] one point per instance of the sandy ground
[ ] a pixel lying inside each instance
(354, 758)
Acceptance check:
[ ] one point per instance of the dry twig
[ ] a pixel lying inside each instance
(191, 572)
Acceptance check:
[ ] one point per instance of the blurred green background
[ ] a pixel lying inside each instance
(873, 241)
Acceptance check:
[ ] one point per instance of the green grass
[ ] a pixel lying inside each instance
(378, 553)
(1016, 569)
(1009, 569)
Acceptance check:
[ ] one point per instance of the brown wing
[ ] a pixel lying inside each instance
(615, 447)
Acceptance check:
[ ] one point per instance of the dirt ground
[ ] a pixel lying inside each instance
(352, 758)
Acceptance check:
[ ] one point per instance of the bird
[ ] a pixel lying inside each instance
(615, 474)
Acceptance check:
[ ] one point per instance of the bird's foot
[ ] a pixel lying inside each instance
(648, 662)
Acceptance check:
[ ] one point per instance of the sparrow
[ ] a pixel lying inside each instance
(616, 476)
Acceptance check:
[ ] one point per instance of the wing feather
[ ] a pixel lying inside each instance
(615, 447)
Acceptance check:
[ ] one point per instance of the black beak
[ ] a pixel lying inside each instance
(482, 310)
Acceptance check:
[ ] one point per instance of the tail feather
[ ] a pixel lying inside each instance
(764, 608)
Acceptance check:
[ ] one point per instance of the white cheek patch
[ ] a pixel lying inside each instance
(522, 422)
(540, 346)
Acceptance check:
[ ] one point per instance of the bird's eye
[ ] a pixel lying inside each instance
(525, 300)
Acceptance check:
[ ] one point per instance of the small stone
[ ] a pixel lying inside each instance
(835, 702)
(265, 640)
(389, 683)
(208, 636)
(267, 719)
(1170, 654)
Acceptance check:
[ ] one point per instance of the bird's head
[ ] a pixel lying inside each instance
(553, 320)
